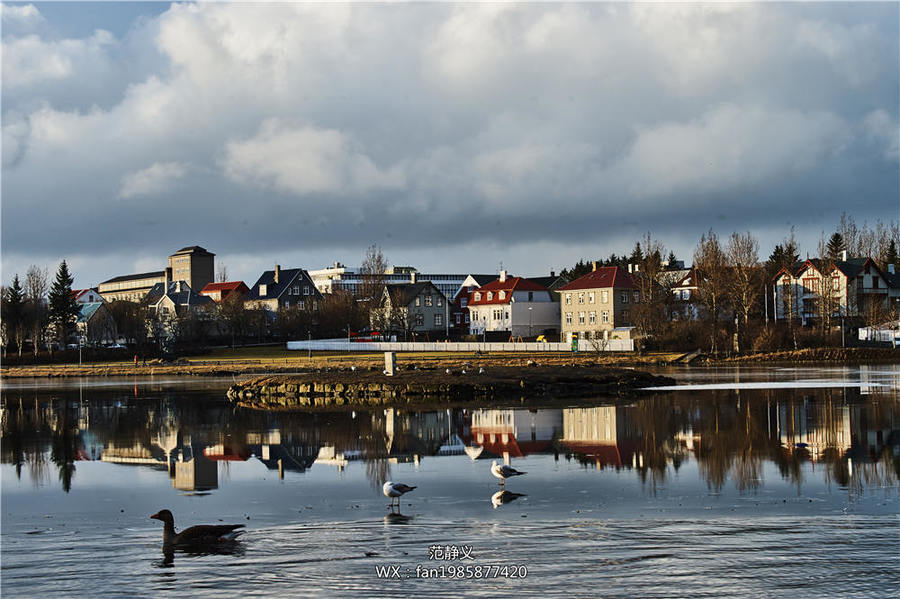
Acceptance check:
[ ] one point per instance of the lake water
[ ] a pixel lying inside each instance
(741, 482)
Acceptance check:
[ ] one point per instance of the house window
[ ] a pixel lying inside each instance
(262, 290)
(306, 290)
(302, 304)
(874, 282)
(686, 294)
(604, 297)
(530, 296)
(463, 302)
(580, 298)
(636, 296)
(502, 295)
(490, 295)
(467, 319)
(591, 297)
(477, 296)
(438, 320)
(458, 318)
(581, 318)
(506, 315)
(440, 302)
(604, 317)
(420, 320)
(418, 301)
(568, 318)
(592, 317)
(428, 301)
(295, 290)
(624, 297)
(625, 315)
(568, 299)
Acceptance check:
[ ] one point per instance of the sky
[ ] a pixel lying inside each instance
(457, 137)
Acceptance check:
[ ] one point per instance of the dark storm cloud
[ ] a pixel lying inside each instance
(499, 132)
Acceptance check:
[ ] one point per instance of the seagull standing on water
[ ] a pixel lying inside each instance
(395, 491)
(503, 472)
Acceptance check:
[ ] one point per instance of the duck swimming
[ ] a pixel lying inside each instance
(196, 537)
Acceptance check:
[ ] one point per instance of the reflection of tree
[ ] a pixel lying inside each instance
(62, 448)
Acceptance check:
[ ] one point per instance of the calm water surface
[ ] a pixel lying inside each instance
(742, 483)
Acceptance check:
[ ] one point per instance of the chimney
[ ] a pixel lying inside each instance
(168, 279)
(552, 273)
(412, 277)
(630, 268)
(277, 273)
(593, 267)
(178, 286)
(502, 276)
(843, 255)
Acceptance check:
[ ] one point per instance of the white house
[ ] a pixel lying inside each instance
(514, 305)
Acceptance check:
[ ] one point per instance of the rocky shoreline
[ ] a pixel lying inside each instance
(370, 387)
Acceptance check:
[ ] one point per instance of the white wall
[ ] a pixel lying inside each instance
(583, 346)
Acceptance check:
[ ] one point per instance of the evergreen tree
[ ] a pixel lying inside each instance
(63, 307)
(671, 260)
(637, 255)
(14, 312)
(892, 257)
(835, 246)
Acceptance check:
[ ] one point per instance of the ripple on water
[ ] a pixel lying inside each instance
(787, 556)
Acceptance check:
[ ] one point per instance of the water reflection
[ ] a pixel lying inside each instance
(852, 432)
(503, 497)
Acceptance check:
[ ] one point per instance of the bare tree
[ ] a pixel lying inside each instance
(709, 263)
(37, 283)
(649, 313)
(222, 273)
(744, 278)
(372, 271)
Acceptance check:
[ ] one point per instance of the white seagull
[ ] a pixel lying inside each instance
(395, 490)
(503, 472)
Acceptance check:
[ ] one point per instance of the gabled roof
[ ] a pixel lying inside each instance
(286, 276)
(849, 268)
(85, 311)
(226, 286)
(602, 278)
(143, 275)
(185, 297)
(403, 293)
(510, 285)
(548, 281)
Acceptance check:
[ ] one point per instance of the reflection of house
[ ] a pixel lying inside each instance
(814, 428)
(197, 473)
(514, 432)
(602, 434)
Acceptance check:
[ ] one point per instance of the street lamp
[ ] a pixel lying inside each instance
(529, 322)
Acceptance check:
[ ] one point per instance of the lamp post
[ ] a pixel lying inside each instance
(530, 333)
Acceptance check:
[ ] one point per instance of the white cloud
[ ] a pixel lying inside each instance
(26, 15)
(29, 60)
(303, 160)
(157, 178)
(728, 147)
(880, 126)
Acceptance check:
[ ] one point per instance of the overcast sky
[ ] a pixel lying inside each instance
(456, 137)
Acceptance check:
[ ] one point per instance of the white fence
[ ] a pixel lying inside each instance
(374, 346)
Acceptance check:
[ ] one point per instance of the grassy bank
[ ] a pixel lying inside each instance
(263, 360)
